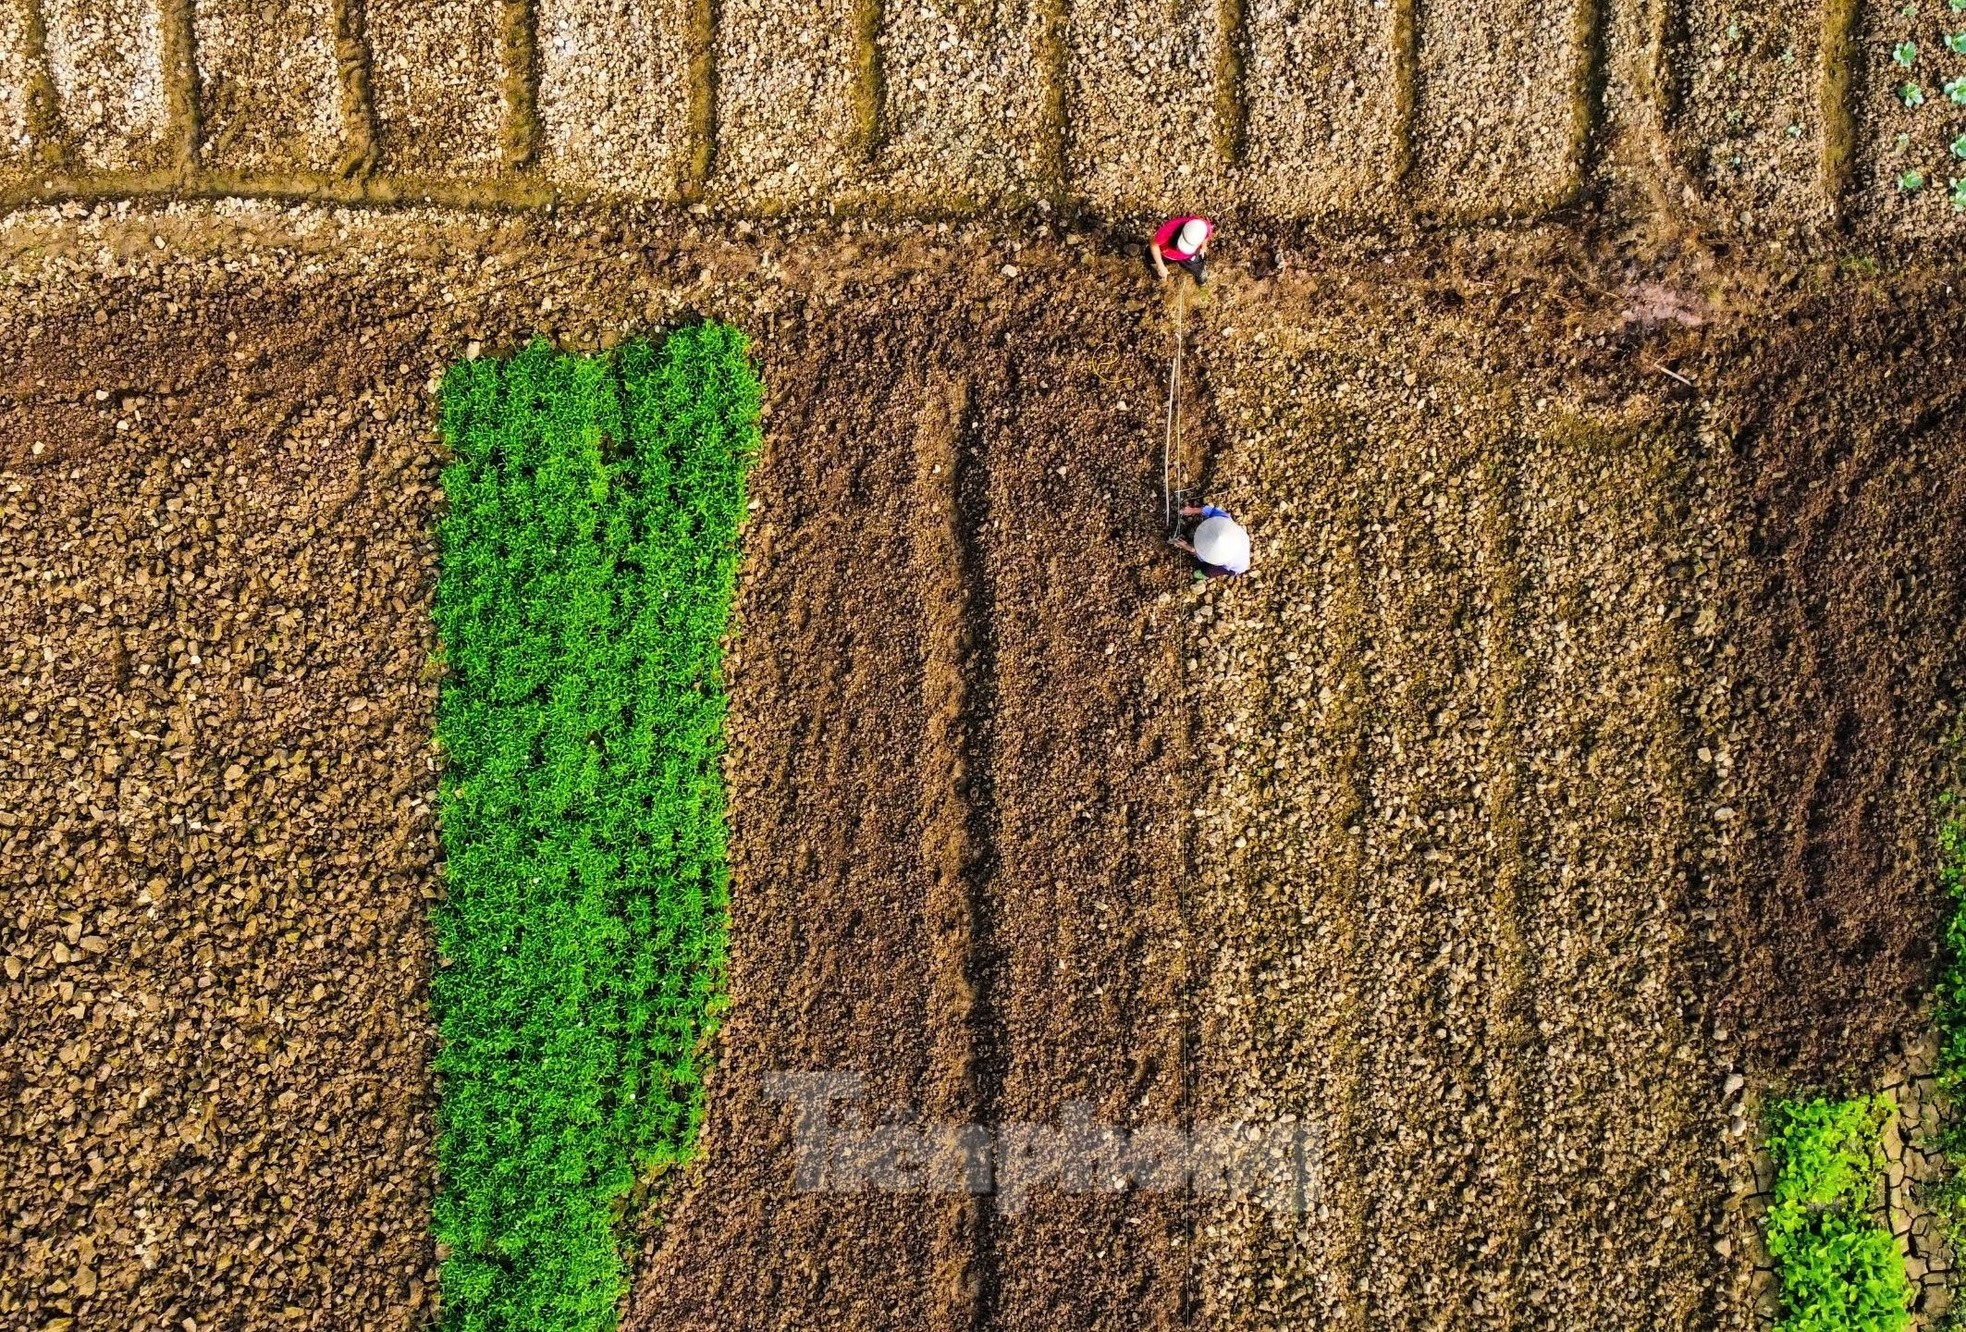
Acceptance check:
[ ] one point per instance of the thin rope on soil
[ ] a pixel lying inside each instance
(1171, 440)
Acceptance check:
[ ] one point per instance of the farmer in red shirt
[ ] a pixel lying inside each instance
(1183, 241)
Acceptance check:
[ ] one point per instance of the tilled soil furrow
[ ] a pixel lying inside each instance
(437, 88)
(831, 748)
(1322, 107)
(1497, 104)
(1285, 1030)
(1432, 1126)
(1092, 950)
(106, 58)
(966, 1074)
(614, 95)
(1616, 1147)
(1531, 1107)
(355, 88)
(1142, 106)
(788, 109)
(1516, 1063)
(962, 102)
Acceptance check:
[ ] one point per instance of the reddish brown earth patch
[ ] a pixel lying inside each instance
(957, 797)
(1852, 642)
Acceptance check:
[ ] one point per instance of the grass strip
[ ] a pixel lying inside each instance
(588, 556)
(1837, 1269)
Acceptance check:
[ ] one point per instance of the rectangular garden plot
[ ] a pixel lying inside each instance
(587, 566)
(269, 86)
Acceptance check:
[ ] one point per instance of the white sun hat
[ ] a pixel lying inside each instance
(1222, 543)
(1193, 232)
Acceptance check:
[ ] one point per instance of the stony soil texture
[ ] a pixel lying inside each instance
(1759, 121)
(215, 831)
(1563, 770)
(1626, 711)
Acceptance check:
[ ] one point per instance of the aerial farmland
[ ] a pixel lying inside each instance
(602, 723)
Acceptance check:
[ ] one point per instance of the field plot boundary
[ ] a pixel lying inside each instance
(1609, 104)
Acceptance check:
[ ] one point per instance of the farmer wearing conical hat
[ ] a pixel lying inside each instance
(1220, 544)
(1183, 241)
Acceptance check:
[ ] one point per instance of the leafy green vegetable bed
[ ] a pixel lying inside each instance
(1839, 1270)
(588, 557)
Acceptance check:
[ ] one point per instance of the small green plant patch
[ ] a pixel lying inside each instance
(1948, 1197)
(1837, 1269)
(587, 563)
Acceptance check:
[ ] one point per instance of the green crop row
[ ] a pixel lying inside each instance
(1950, 1009)
(1838, 1270)
(1948, 1195)
(588, 555)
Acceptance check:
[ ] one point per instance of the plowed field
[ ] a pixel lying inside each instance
(1571, 748)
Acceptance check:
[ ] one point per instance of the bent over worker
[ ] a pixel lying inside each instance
(1220, 544)
(1183, 241)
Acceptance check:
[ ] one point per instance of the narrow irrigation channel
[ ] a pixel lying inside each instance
(588, 559)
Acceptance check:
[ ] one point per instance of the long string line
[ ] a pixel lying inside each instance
(1170, 441)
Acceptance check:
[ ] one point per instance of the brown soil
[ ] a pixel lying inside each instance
(1852, 637)
(957, 789)
(1756, 121)
(1572, 747)
(215, 829)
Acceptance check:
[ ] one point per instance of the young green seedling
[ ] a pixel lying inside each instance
(1958, 196)
(1956, 41)
(1956, 91)
(1911, 182)
(1905, 54)
(1912, 95)
(1958, 146)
